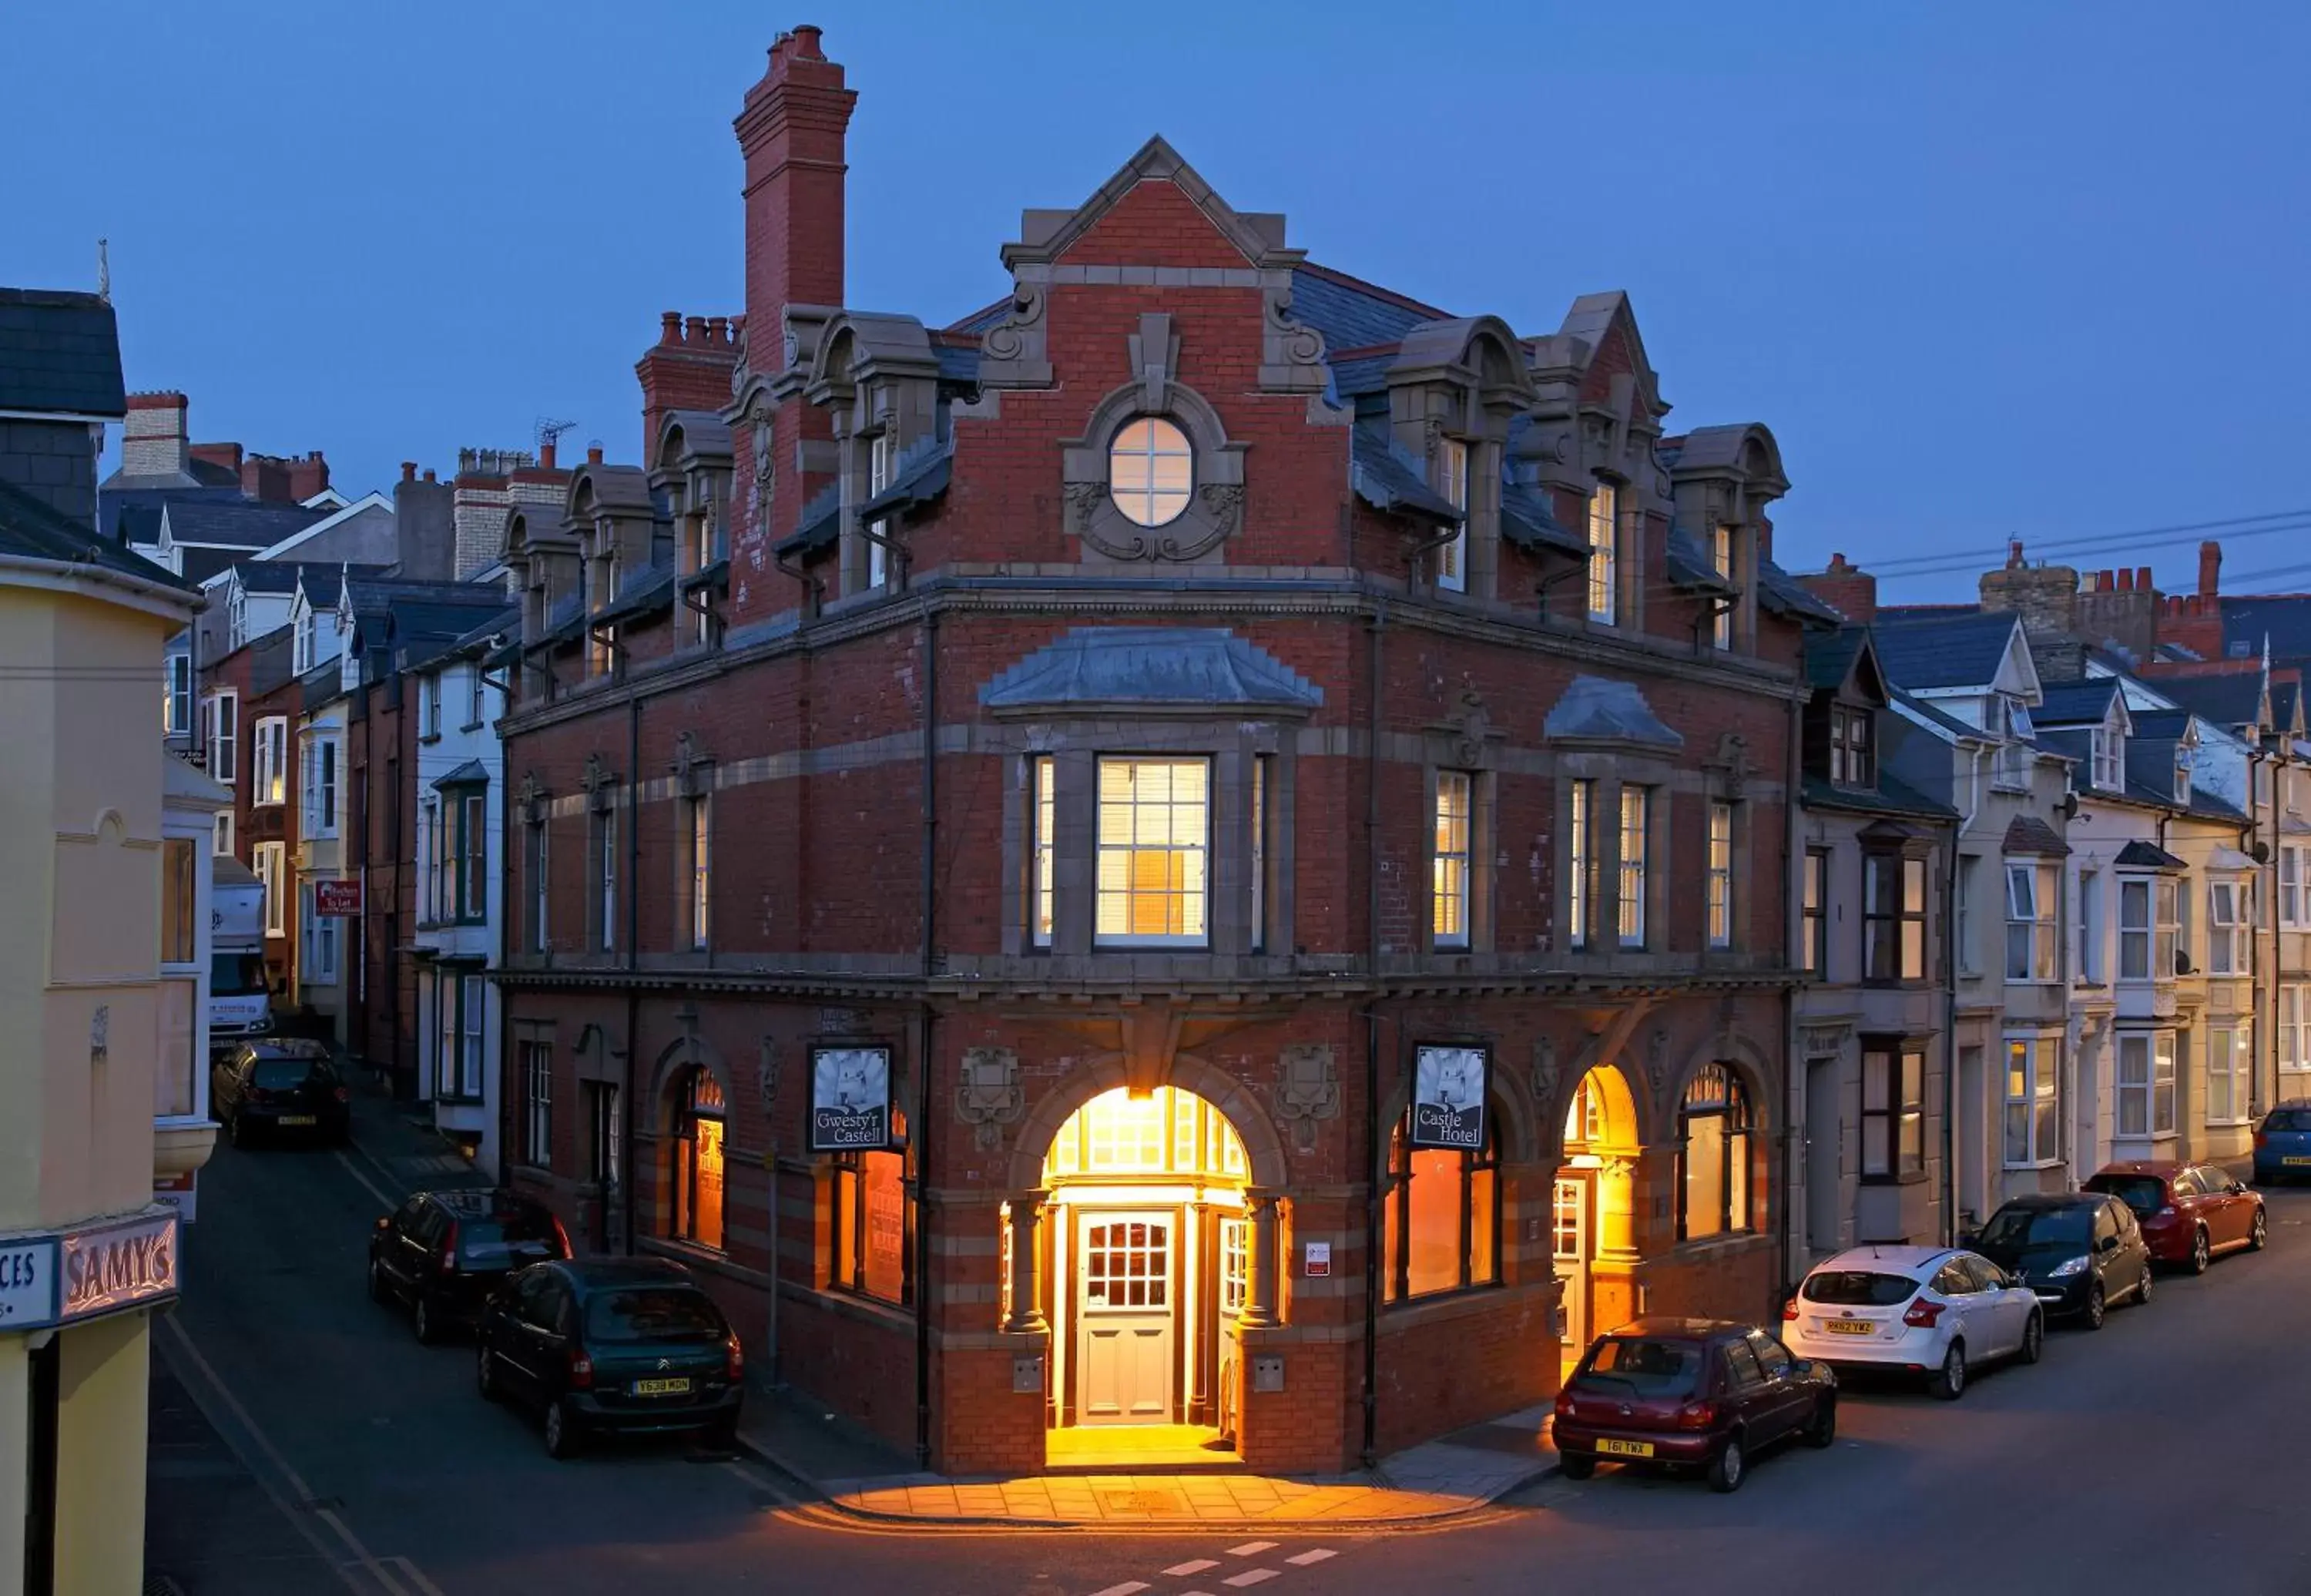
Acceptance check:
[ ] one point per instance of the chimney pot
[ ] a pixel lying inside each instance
(2211, 567)
(2143, 578)
(428, 473)
(2127, 581)
(2014, 554)
(695, 331)
(409, 471)
(719, 327)
(670, 327)
(594, 454)
(806, 43)
(546, 454)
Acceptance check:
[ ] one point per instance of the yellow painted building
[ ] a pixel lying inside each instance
(96, 894)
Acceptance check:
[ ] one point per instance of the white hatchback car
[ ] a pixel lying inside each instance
(1931, 1310)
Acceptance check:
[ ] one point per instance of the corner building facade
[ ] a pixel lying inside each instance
(1152, 709)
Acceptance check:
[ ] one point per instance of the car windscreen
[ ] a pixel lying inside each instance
(504, 1240)
(2038, 1227)
(2287, 1119)
(236, 974)
(1648, 1365)
(1858, 1289)
(652, 1313)
(2145, 1194)
(286, 1075)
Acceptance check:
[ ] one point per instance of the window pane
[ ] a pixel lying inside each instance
(1875, 1139)
(1435, 1239)
(1152, 830)
(1484, 1259)
(1704, 1176)
(2018, 1133)
(882, 1178)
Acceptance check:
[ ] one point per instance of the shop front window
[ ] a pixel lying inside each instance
(874, 1226)
(698, 1162)
(1441, 1216)
(1714, 1131)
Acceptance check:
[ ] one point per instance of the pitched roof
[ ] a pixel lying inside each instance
(1526, 521)
(1150, 665)
(2082, 702)
(1351, 313)
(1891, 797)
(59, 354)
(1829, 656)
(1958, 651)
(821, 524)
(1606, 709)
(2233, 699)
(237, 523)
(1784, 595)
(1386, 477)
(30, 530)
(2146, 856)
(922, 474)
(2027, 833)
(1688, 567)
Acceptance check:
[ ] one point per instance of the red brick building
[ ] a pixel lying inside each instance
(1152, 713)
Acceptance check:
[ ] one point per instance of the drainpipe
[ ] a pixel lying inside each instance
(926, 1019)
(2267, 967)
(1373, 1261)
(1792, 931)
(1950, 999)
(634, 956)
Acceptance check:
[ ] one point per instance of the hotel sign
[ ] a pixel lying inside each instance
(1448, 1097)
(850, 1099)
(61, 1278)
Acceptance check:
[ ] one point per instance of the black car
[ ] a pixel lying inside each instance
(629, 1344)
(445, 1253)
(2080, 1251)
(279, 1089)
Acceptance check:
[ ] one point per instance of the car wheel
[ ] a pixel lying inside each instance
(380, 1289)
(485, 1374)
(1947, 1383)
(2142, 1287)
(2096, 1307)
(2258, 1234)
(1822, 1428)
(1729, 1467)
(422, 1320)
(561, 1430)
(1577, 1467)
(2201, 1252)
(2034, 1339)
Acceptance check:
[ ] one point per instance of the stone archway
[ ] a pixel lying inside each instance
(1262, 1147)
(1596, 1220)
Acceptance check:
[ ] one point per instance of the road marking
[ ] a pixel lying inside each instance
(1251, 1548)
(362, 1557)
(1306, 1558)
(1182, 1570)
(409, 1570)
(763, 1482)
(368, 1185)
(1250, 1576)
(1130, 1587)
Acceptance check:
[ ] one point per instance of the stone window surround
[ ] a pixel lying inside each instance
(1197, 535)
(1076, 748)
(1611, 771)
(907, 407)
(1445, 754)
(696, 487)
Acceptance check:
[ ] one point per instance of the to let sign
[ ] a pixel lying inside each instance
(340, 898)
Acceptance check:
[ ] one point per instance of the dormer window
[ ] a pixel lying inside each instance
(1453, 484)
(2108, 762)
(1852, 751)
(2182, 777)
(308, 631)
(880, 450)
(1604, 521)
(1721, 561)
(1151, 469)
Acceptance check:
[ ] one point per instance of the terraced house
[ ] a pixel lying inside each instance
(1197, 855)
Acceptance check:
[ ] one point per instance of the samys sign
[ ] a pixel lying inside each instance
(58, 1277)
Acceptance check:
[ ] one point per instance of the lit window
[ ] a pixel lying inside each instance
(1713, 1186)
(698, 827)
(2294, 1041)
(874, 1226)
(1042, 772)
(1155, 838)
(2230, 935)
(2033, 1110)
(879, 451)
(537, 1103)
(1721, 561)
(1893, 1115)
(1893, 918)
(1441, 1217)
(272, 761)
(698, 1161)
(1721, 875)
(2033, 905)
(1604, 511)
(1169, 1131)
(1452, 860)
(1452, 485)
(1235, 1265)
(1581, 866)
(1149, 471)
(1636, 809)
(1815, 913)
(2230, 1087)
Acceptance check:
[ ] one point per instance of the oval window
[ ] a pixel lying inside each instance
(1150, 469)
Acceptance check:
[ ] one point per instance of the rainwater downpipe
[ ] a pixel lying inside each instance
(1792, 960)
(925, 1020)
(634, 955)
(1949, 1000)
(1373, 1197)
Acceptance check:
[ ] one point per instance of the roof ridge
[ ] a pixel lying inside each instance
(1364, 285)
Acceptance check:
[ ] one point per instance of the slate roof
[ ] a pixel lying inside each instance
(472, 773)
(2285, 618)
(2150, 770)
(238, 523)
(2027, 833)
(2082, 702)
(31, 530)
(1601, 709)
(958, 363)
(1829, 656)
(1150, 665)
(1784, 595)
(2283, 695)
(1689, 566)
(1527, 522)
(2139, 855)
(324, 580)
(651, 588)
(923, 476)
(2232, 700)
(59, 354)
(1386, 477)
(1958, 651)
(1892, 797)
(822, 524)
(1351, 313)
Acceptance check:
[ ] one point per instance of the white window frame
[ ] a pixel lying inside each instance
(2230, 1073)
(270, 862)
(269, 761)
(2294, 1026)
(221, 835)
(320, 938)
(2108, 764)
(2230, 926)
(177, 693)
(1636, 820)
(429, 857)
(2038, 1102)
(473, 1017)
(308, 634)
(1450, 898)
(1042, 813)
(224, 736)
(880, 448)
(2091, 954)
(1604, 553)
(1720, 871)
(323, 784)
(2146, 1085)
(2034, 901)
(2292, 858)
(476, 696)
(1196, 858)
(1452, 486)
(1580, 901)
(429, 706)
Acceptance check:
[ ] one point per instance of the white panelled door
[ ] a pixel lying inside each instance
(1127, 1266)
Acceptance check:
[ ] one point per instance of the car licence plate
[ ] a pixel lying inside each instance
(2296, 1161)
(294, 1119)
(661, 1388)
(1626, 1449)
(1850, 1327)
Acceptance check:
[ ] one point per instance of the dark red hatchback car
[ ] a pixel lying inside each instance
(1701, 1393)
(2189, 1212)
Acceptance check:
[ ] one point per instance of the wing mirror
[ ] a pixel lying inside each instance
(384, 1223)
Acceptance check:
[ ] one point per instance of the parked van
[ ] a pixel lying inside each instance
(240, 1000)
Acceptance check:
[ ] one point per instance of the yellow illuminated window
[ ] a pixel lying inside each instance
(1149, 471)
(1451, 863)
(1046, 835)
(1169, 1131)
(1154, 847)
(1604, 511)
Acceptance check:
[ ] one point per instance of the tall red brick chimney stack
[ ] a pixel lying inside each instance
(1850, 590)
(791, 133)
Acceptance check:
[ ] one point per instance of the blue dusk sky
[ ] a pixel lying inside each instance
(1987, 270)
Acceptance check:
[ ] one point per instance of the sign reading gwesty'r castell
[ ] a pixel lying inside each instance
(1448, 1097)
(850, 1099)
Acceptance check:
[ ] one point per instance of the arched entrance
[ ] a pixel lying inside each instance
(1148, 1231)
(1594, 1214)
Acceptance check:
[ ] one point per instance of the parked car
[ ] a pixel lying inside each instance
(2282, 1143)
(2189, 1212)
(445, 1253)
(1690, 1392)
(2079, 1251)
(1932, 1311)
(275, 1088)
(627, 1344)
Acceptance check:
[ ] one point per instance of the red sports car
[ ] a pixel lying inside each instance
(2189, 1212)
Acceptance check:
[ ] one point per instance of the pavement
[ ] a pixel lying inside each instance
(305, 1443)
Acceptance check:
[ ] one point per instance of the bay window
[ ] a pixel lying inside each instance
(2230, 1074)
(2033, 1097)
(2294, 1041)
(2145, 1084)
(2033, 906)
(2230, 928)
(2292, 881)
(1893, 1112)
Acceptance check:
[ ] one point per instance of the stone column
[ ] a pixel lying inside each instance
(1026, 1285)
(1260, 1263)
